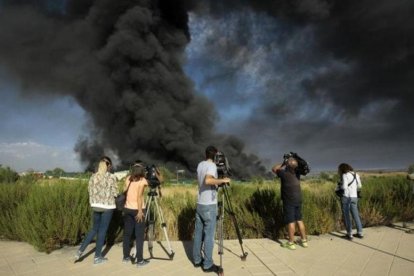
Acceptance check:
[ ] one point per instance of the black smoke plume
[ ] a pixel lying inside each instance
(122, 62)
(340, 87)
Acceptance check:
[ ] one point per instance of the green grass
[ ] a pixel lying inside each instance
(51, 213)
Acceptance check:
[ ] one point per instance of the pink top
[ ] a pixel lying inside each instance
(132, 196)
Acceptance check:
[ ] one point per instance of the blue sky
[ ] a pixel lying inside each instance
(38, 132)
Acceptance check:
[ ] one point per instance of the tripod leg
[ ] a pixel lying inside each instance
(149, 218)
(164, 228)
(236, 226)
(220, 218)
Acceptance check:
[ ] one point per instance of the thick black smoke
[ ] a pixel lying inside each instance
(330, 79)
(122, 62)
(340, 88)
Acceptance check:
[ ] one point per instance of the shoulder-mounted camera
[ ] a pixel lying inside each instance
(303, 166)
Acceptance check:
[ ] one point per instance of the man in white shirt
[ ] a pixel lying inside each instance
(206, 213)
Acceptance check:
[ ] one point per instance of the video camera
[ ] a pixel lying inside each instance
(223, 167)
(303, 166)
(151, 174)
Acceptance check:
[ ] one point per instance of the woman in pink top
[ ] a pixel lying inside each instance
(134, 214)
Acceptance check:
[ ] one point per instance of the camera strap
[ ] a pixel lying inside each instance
(126, 191)
(354, 174)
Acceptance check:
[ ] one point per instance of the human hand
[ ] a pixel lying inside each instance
(140, 216)
(226, 180)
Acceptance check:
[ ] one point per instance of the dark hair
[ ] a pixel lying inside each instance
(210, 152)
(107, 160)
(137, 172)
(344, 168)
(139, 163)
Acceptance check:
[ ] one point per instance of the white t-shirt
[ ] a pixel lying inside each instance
(351, 190)
(207, 194)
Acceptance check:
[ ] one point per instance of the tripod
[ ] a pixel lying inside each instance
(150, 218)
(220, 217)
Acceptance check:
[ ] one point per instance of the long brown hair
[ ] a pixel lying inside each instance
(344, 168)
(137, 172)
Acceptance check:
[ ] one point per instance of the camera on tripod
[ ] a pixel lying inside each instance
(152, 176)
(151, 173)
(303, 166)
(223, 167)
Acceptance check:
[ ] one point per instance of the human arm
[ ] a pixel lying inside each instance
(126, 183)
(211, 180)
(277, 168)
(114, 185)
(359, 184)
(344, 183)
(90, 184)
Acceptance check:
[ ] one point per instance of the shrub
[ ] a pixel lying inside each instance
(51, 213)
(7, 175)
(10, 198)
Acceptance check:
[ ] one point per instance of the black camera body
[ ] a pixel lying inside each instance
(303, 166)
(223, 168)
(151, 176)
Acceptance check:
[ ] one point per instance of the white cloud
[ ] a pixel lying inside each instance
(39, 157)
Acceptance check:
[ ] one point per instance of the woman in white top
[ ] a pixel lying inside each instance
(102, 190)
(350, 182)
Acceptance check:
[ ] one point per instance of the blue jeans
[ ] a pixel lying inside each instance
(350, 205)
(205, 228)
(101, 222)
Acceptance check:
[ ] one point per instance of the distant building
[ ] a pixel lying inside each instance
(38, 175)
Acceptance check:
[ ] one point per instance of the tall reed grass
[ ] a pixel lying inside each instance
(50, 214)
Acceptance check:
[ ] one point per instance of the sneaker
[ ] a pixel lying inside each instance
(100, 260)
(358, 235)
(198, 264)
(303, 243)
(78, 255)
(213, 268)
(289, 245)
(126, 260)
(348, 237)
(142, 263)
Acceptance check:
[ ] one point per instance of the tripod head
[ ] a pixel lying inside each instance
(153, 191)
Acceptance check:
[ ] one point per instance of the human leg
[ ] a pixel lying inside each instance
(103, 227)
(346, 203)
(291, 231)
(299, 221)
(302, 230)
(96, 218)
(129, 224)
(139, 239)
(289, 220)
(355, 215)
(198, 237)
(208, 215)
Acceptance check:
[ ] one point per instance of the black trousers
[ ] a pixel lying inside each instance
(130, 225)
